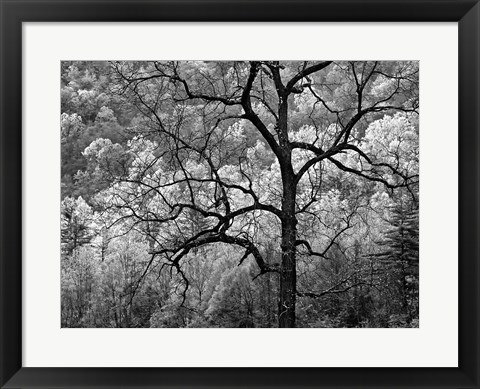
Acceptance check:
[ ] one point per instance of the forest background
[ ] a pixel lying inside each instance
(239, 194)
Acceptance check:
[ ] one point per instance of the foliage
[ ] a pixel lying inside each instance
(240, 194)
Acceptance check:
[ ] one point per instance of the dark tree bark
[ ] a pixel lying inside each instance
(288, 269)
(288, 266)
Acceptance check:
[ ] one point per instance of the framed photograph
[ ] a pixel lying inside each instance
(239, 194)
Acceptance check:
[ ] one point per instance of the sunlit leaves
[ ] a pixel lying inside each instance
(187, 169)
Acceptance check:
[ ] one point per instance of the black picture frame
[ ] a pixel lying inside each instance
(14, 12)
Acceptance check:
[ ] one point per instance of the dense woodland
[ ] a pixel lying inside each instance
(239, 194)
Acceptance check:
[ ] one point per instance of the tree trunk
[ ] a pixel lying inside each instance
(288, 271)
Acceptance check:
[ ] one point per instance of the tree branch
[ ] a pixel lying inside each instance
(304, 73)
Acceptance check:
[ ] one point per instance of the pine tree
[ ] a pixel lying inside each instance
(76, 224)
(400, 255)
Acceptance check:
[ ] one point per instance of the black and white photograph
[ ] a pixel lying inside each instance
(239, 194)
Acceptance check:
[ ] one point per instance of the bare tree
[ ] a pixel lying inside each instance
(190, 109)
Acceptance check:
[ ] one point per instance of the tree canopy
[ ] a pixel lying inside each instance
(240, 194)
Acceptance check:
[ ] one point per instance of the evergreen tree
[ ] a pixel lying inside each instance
(400, 256)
